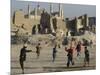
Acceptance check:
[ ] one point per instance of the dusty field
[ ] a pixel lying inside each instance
(45, 64)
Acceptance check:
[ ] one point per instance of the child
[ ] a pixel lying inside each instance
(69, 56)
(54, 53)
(86, 59)
(38, 50)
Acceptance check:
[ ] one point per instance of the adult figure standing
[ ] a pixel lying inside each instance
(23, 56)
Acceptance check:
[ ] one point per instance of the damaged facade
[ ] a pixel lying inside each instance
(79, 24)
(39, 21)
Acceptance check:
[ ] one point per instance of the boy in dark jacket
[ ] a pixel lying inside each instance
(86, 59)
(38, 50)
(69, 56)
(23, 56)
(54, 53)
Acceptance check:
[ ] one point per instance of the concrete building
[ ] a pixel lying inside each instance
(39, 21)
(92, 24)
(39, 18)
(78, 24)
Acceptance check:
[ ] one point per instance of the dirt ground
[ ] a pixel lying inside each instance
(45, 64)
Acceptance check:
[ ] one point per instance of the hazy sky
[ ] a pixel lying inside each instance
(70, 10)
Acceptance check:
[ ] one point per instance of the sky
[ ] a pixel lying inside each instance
(70, 10)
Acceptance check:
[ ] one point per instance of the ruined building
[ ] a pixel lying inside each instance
(39, 21)
(78, 24)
